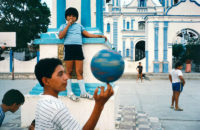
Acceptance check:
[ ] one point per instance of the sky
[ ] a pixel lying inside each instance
(48, 2)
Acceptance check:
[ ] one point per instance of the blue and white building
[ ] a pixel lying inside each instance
(144, 30)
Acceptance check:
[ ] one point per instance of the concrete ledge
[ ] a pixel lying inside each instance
(149, 76)
(17, 76)
(80, 110)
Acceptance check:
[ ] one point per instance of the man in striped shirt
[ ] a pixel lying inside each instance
(12, 100)
(51, 113)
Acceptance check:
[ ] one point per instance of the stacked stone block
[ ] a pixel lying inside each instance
(128, 118)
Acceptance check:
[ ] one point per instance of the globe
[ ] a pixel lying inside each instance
(107, 66)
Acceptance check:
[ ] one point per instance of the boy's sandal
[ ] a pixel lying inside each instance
(172, 107)
(88, 96)
(73, 97)
(178, 109)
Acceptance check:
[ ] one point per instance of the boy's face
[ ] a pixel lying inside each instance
(14, 107)
(58, 80)
(71, 18)
(180, 67)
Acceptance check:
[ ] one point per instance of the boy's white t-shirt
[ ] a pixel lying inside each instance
(52, 114)
(175, 75)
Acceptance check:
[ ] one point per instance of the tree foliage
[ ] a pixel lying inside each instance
(28, 18)
(189, 52)
(178, 51)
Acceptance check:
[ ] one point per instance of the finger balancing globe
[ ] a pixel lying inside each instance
(107, 66)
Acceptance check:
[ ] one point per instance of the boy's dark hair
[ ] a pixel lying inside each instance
(139, 62)
(13, 96)
(45, 68)
(178, 64)
(71, 11)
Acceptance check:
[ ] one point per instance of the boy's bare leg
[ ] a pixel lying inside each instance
(141, 77)
(176, 99)
(79, 69)
(69, 68)
(173, 99)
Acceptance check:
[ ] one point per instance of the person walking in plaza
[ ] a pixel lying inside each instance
(72, 33)
(51, 113)
(139, 70)
(11, 101)
(177, 80)
(2, 49)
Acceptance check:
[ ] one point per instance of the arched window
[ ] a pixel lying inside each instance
(140, 50)
(108, 27)
(127, 52)
(141, 25)
(141, 3)
(128, 25)
(175, 1)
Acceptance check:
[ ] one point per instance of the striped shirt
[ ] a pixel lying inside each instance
(52, 114)
(2, 116)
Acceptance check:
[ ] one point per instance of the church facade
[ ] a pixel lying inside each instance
(145, 30)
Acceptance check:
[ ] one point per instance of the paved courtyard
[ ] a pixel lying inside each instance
(152, 97)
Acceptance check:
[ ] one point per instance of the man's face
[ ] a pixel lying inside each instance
(58, 81)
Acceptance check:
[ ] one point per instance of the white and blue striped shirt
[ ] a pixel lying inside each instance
(2, 115)
(52, 114)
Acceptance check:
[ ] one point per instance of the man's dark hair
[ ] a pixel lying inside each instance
(178, 64)
(71, 11)
(13, 96)
(45, 68)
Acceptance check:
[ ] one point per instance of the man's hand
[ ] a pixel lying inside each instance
(103, 97)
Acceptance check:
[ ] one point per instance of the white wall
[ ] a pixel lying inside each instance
(130, 66)
(89, 51)
(80, 111)
(5, 65)
(25, 66)
(76, 4)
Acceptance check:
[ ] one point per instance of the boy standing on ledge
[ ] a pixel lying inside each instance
(72, 33)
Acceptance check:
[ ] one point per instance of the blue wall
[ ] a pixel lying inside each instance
(132, 48)
(115, 34)
(156, 63)
(99, 15)
(165, 37)
(61, 7)
(124, 51)
(85, 13)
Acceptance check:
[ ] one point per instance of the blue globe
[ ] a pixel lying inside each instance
(107, 66)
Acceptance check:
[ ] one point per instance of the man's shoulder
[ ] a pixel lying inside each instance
(51, 102)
